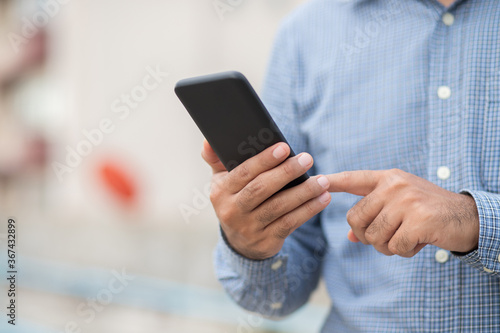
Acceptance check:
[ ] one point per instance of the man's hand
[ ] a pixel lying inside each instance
(401, 213)
(256, 219)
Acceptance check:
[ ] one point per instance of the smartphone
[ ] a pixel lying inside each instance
(231, 116)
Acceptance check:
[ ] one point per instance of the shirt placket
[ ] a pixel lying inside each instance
(444, 161)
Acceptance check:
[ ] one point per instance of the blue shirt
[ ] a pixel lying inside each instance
(372, 85)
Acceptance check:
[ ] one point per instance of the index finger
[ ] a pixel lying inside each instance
(355, 182)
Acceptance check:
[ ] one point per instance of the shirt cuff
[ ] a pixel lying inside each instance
(487, 257)
(257, 272)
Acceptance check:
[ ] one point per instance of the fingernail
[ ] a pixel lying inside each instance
(323, 182)
(324, 197)
(305, 160)
(279, 152)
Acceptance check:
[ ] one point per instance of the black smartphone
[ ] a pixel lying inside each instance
(231, 116)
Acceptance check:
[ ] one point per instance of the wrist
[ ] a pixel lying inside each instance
(469, 220)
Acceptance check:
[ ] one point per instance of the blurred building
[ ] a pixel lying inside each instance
(99, 161)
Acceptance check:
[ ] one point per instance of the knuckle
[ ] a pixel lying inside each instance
(392, 247)
(215, 194)
(397, 172)
(301, 196)
(417, 198)
(414, 202)
(346, 176)
(396, 178)
(310, 208)
(371, 235)
(406, 199)
(414, 205)
(250, 191)
(351, 214)
(288, 170)
(242, 171)
(365, 202)
(270, 213)
(399, 246)
(356, 216)
(379, 225)
(310, 189)
(225, 214)
(425, 214)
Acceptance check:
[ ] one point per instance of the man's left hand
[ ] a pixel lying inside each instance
(401, 213)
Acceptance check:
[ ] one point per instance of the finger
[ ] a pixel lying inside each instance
(382, 229)
(208, 154)
(404, 243)
(243, 174)
(414, 251)
(354, 182)
(362, 215)
(288, 200)
(268, 183)
(285, 225)
(352, 237)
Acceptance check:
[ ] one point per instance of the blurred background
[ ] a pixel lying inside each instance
(100, 164)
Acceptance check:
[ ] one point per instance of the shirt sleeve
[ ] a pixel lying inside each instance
(487, 256)
(277, 286)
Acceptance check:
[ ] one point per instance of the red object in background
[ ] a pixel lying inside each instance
(37, 151)
(118, 182)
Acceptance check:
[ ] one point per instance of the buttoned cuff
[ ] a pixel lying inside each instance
(487, 257)
(259, 272)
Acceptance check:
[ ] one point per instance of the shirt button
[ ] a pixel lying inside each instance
(444, 92)
(448, 19)
(499, 257)
(442, 256)
(443, 172)
(276, 306)
(487, 270)
(277, 264)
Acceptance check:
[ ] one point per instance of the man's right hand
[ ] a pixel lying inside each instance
(255, 219)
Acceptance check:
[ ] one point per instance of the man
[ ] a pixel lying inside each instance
(399, 103)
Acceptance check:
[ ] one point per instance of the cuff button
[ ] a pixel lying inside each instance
(277, 264)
